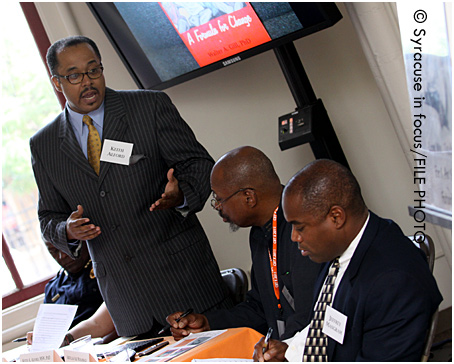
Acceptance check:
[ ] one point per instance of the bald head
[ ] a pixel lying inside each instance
(325, 183)
(246, 187)
(246, 167)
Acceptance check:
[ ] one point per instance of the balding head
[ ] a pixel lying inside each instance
(245, 186)
(246, 167)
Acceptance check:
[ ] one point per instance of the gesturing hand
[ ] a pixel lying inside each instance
(172, 195)
(77, 227)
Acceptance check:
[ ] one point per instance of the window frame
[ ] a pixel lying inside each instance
(25, 292)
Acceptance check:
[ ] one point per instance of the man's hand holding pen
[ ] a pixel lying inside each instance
(275, 350)
(267, 340)
(194, 322)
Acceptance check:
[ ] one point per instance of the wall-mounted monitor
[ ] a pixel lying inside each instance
(164, 44)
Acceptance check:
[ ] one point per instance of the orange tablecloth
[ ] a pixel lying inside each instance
(235, 343)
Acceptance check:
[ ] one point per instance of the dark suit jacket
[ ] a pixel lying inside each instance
(296, 274)
(148, 264)
(388, 295)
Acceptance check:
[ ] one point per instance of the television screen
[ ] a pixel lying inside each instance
(166, 43)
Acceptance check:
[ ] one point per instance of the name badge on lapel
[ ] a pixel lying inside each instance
(334, 324)
(116, 152)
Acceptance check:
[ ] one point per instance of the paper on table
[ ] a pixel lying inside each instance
(51, 325)
(180, 347)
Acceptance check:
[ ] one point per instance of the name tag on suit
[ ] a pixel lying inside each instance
(116, 152)
(334, 324)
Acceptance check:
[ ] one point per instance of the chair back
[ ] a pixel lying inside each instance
(237, 283)
(426, 244)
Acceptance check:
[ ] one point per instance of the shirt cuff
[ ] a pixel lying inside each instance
(184, 208)
(296, 345)
(75, 247)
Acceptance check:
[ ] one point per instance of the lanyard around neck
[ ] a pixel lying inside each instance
(273, 261)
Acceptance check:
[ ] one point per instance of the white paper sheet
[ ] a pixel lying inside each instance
(51, 325)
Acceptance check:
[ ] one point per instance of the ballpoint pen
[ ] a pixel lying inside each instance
(20, 339)
(153, 348)
(267, 340)
(184, 314)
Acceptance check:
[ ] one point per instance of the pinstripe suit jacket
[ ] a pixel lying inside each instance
(148, 264)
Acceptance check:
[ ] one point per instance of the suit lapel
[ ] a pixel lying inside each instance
(115, 124)
(114, 128)
(71, 148)
(343, 291)
(366, 240)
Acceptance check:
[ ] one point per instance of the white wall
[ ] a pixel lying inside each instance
(240, 105)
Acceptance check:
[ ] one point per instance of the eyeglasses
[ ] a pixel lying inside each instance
(75, 78)
(216, 204)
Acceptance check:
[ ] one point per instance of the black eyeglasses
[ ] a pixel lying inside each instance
(216, 204)
(75, 78)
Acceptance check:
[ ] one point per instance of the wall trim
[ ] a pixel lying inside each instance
(17, 320)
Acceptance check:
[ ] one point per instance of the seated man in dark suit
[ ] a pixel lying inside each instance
(75, 283)
(247, 192)
(378, 302)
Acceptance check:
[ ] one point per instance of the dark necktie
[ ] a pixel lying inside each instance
(93, 144)
(316, 348)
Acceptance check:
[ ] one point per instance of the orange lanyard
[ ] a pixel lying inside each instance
(273, 260)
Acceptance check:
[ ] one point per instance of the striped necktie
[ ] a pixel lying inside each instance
(93, 144)
(316, 348)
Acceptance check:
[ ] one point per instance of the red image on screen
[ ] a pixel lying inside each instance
(217, 30)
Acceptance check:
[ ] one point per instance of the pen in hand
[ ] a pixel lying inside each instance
(184, 314)
(267, 340)
(20, 339)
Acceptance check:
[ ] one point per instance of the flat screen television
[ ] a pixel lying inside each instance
(164, 44)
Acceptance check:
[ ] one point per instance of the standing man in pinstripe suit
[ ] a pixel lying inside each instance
(149, 251)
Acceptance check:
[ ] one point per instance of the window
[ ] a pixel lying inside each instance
(28, 103)
(429, 74)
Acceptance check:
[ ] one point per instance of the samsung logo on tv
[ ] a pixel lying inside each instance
(231, 60)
